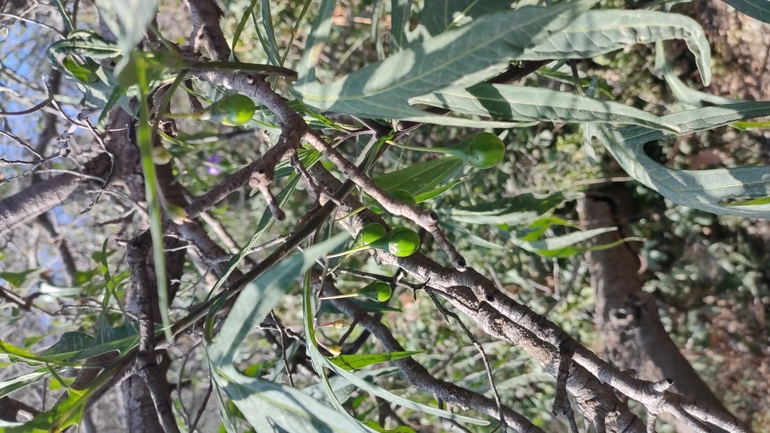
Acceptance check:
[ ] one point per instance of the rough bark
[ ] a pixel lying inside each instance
(626, 316)
(45, 195)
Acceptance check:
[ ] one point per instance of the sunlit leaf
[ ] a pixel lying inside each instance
(602, 31)
(465, 55)
(534, 104)
(514, 210)
(420, 177)
(359, 361)
(707, 190)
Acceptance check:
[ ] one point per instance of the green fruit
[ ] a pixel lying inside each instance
(484, 150)
(232, 110)
(370, 233)
(377, 291)
(401, 242)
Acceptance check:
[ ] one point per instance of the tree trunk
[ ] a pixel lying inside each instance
(627, 316)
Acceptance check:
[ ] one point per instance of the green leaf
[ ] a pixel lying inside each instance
(399, 29)
(65, 16)
(82, 43)
(602, 31)
(141, 66)
(267, 405)
(420, 177)
(64, 414)
(514, 210)
(316, 41)
(440, 15)
(82, 73)
(465, 55)
(239, 28)
(267, 20)
(560, 246)
(128, 21)
(9, 386)
(519, 103)
(389, 396)
(18, 354)
(270, 407)
(359, 361)
(757, 9)
(684, 94)
(707, 190)
(400, 429)
(17, 279)
(344, 389)
(259, 297)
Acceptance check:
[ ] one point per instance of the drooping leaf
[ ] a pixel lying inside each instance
(420, 177)
(359, 361)
(757, 9)
(513, 211)
(691, 98)
(520, 103)
(440, 15)
(707, 190)
(462, 56)
(602, 31)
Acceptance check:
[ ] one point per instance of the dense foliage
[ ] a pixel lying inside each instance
(465, 132)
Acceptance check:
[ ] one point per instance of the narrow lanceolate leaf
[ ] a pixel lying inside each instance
(691, 98)
(757, 9)
(258, 298)
(602, 31)
(82, 43)
(358, 361)
(521, 209)
(268, 406)
(316, 42)
(421, 177)
(389, 396)
(465, 55)
(561, 246)
(399, 16)
(518, 103)
(440, 15)
(128, 19)
(708, 190)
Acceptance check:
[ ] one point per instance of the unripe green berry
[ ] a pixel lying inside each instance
(401, 242)
(370, 233)
(377, 291)
(232, 110)
(484, 150)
